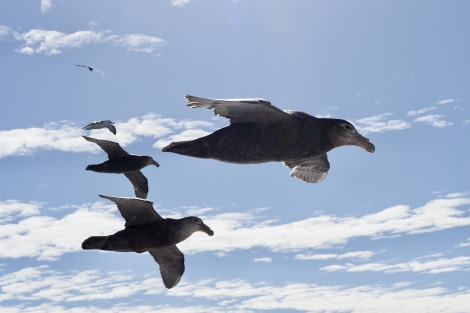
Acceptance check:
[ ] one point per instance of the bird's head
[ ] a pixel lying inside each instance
(194, 223)
(150, 161)
(344, 133)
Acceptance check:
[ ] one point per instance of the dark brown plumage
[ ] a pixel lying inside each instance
(121, 162)
(146, 231)
(259, 132)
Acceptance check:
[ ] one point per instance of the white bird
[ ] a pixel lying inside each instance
(91, 69)
(101, 124)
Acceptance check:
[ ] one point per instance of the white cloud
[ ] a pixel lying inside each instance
(265, 260)
(179, 3)
(46, 5)
(445, 101)
(379, 124)
(464, 244)
(421, 111)
(434, 266)
(47, 237)
(329, 256)
(434, 120)
(66, 135)
(138, 42)
(73, 291)
(11, 208)
(4, 31)
(52, 42)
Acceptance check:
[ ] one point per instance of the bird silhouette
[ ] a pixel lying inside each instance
(101, 124)
(121, 162)
(146, 231)
(259, 132)
(91, 69)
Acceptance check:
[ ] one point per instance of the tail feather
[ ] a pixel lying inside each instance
(95, 242)
(196, 148)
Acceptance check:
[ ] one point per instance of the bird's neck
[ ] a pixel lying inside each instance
(328, 127)
(177, 227)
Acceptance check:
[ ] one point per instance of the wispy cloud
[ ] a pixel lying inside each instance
(57, 291)
(380, 123)
(179, 3)
(66, 135)
(4, 31)
(432, 266)
(446, 101)
(327, 256)
(264, 260)
(138, 42)
(421, 111)
(435, 120)
(46, 5)
(53, 42)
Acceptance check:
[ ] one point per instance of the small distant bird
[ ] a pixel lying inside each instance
(101, 124)
(146, 231)
(121, 162)
(260, 132)
(91, 69)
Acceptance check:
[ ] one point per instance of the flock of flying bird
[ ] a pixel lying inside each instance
(258, 133)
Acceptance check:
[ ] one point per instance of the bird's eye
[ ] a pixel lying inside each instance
(196, 220)
(348, 127)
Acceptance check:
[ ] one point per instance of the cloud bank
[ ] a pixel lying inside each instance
(58, 291)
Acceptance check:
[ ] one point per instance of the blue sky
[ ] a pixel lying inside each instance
(384, 232)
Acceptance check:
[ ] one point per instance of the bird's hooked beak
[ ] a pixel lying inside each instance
(206, 229)
(363, 142)
(155, 163)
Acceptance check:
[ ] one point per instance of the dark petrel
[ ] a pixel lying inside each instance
(145, 230)
(91, 69)
(122, 162)
(259, 132)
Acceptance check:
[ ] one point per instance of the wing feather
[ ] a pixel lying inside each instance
(311, 170)
(113, 149)
(241, 110)
(171, 262)
(135, 211)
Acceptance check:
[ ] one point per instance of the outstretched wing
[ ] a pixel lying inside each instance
(241, 110)
(311, 170)
(140, 183)
(113, 149)
(91, 68)
(92, 125)
(98, 71)
(171, 262)
(135, 211)
(112, 128)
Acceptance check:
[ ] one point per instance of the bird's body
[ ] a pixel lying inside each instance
(146, 231)
(121, 162)
(101, 124)
(91, 69)
(121, 165)
(140, 238)
(260, 132)
(247, 143)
